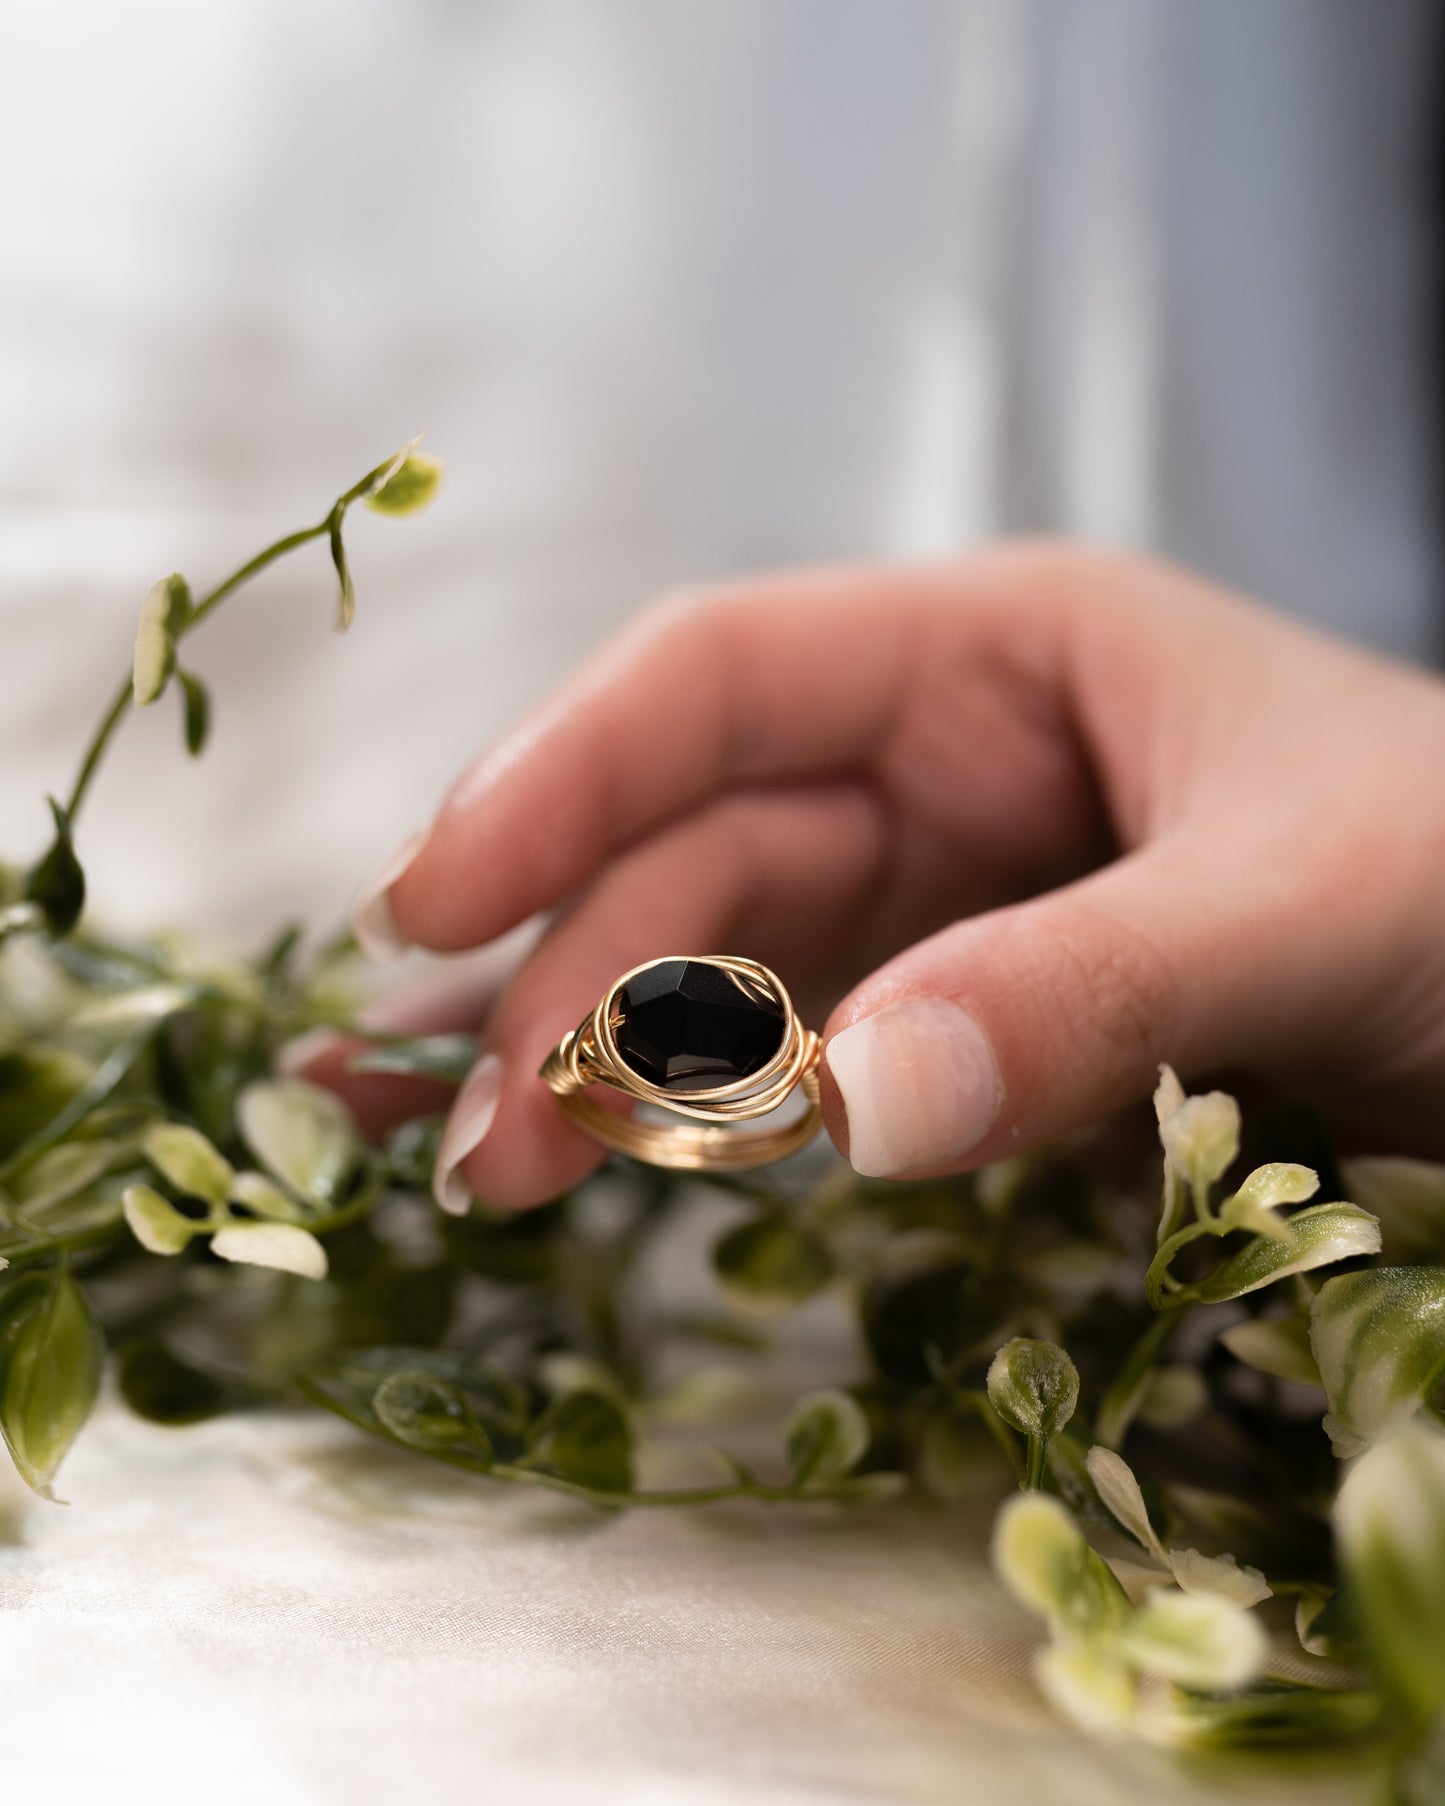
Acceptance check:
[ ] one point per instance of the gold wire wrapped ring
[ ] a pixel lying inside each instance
(713, 1039)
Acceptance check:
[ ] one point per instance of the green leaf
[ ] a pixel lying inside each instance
(411, 1152)
(184, 1157)
(446, 1057)
(1218, 1577)
(155, 1222)
(772, 1262)
(57, 882)
(385, 471)
(585, 1438)
(60, 1173)
(562, 1372)
(1069, 1479)
(1123, 1498)
(1207, 1576)
(197, 712)
(1042, 1557)
(280, 1245)
(1090, 1685)
(36, 1084)
(1270, 1714)
(51, 1351)
(1201, 1138)
(258, 1194)
(409, 488)
(1169, 1094)
(131, 1009)
(1177, 1395)
(1379, 1340)
(20, 918)
(826, 1437)
(1315, 1237)
(1390, 1521)
(1034, 1387)
(162, 1388)
(1325, 1626)
(163, 614)
(277, 963)
(1264, 1192)
(1194, 1640)
(431, 1414)
(348, 1386)
(302, 1134)
(346, 591)
(1408, 1196)
(1278, 1346)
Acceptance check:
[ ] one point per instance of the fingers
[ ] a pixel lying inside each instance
(454, 999)
(773, 869)
(784, 680)
(1012, 1027)
(377, 1100)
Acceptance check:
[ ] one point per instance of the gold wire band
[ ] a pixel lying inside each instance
(589, 1055)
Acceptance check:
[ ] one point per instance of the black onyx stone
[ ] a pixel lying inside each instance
(687, 1025)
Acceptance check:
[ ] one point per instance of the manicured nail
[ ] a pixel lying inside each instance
(920, 1086)
(371, 919)
(293, 1057)
(466, 1129)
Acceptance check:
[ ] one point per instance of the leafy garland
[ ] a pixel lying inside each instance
(226, 1233)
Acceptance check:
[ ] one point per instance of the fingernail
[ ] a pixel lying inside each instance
(371, 919)
(920, 1086)
(301, 1051)
(466, 1129)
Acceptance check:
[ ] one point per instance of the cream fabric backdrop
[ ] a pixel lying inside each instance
(678, 290)
(276, 1612)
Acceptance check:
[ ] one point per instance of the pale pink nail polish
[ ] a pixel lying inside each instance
(466, 1129)
(371, 917)
(295, 1055)
(920, 1086)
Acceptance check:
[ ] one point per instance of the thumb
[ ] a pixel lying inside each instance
(1009, 1028)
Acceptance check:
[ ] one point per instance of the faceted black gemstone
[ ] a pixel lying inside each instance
(686, 1025)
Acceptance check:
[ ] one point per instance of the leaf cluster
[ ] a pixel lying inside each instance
(1172, 1389)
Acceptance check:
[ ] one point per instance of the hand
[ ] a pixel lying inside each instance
(1025, 825)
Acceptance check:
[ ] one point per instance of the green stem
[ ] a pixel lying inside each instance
(357, 1205)
(124, 697)
(688, 1495)
(97, 1088)
(1122, 1400)
(574, 1489)
(1034, 1478)
(1172, 1205)
(64, 1245)
(1154, 1279)
(207, 605)
(103, 736)
(253, 568)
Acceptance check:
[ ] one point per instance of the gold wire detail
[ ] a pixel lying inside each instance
(588, 1055)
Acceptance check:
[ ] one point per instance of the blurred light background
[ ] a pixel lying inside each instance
(677, 288)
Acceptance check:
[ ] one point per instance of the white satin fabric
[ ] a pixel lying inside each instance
(277, 1610)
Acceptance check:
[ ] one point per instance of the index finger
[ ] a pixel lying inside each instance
(776, 680)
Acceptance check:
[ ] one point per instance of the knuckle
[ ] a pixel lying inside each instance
(687, 609)
(1122, 988)
(1046, 564)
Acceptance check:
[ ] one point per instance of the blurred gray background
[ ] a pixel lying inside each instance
(677, 288)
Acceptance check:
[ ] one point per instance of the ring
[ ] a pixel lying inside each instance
(715, 1040)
